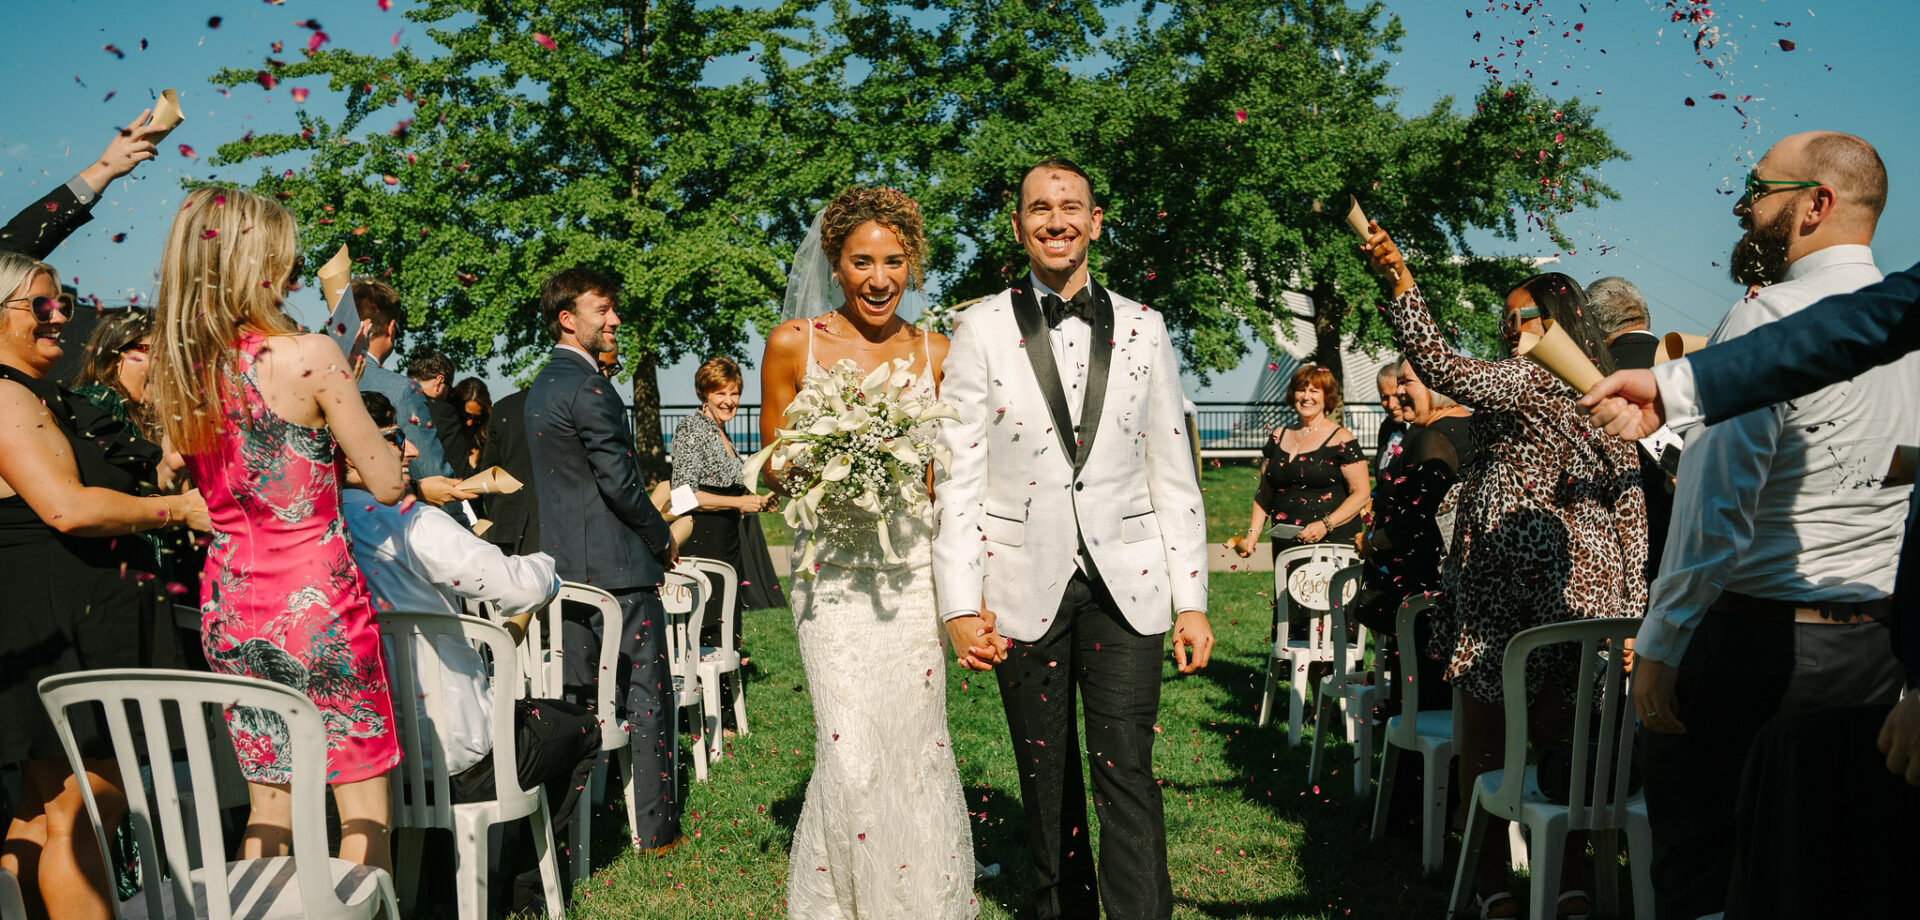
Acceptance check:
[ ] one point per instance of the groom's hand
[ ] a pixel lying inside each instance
(976, 646)
(1191, 632)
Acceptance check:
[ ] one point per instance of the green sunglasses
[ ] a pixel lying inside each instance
(1758, 188)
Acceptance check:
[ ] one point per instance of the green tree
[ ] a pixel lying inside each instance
(543, 134)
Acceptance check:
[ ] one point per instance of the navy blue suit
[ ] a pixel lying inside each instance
(47, 223)
(599, 526)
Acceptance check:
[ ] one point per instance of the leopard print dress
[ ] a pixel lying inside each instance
(1552, 523)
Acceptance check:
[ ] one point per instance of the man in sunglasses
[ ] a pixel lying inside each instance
(1773, 591)
(47, 223)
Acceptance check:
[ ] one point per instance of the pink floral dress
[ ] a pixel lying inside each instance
(282, 599)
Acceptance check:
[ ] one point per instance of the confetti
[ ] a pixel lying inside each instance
(122, 55)
(187, 152)
(315, 40)
(213, 22)
(541, 39)
(299, 94)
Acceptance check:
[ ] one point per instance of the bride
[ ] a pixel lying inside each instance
(883, 832)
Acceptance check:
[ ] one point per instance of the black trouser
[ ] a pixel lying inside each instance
(1825, 829)
(1090, 652)
(647, 691)
(1736, 675)
(555, 746)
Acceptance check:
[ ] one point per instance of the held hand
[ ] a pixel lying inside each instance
(1653, 697)
(197, 516)
(1900, 738)
(1314, 532)
(1384, 257)
(1192, 641)
(440, 490)
(1627, 404)
(976, 646)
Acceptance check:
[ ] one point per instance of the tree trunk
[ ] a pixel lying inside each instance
(1327, 313)
(649, 444)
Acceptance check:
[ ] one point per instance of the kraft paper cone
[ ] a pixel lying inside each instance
(491, 481)
(1556, 352)
(1356, 218)
(334, 276)
(1677, 345)
(166, 113)
(347, 329)
(480, 527)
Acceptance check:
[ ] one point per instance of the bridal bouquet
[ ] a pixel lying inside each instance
(854, 453)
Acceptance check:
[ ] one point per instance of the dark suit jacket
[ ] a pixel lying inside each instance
(1635, 349)
(595, 517)
(45, 224)
(516, 517)
(1831, 341)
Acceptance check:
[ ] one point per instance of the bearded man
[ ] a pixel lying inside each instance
(1773, 597)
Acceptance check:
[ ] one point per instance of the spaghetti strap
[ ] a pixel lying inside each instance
(809, 325)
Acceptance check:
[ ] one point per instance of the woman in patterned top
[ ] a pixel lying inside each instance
(262, 414)
(704, 460)
(1551, 526)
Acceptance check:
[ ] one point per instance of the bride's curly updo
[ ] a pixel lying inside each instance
(890, 208)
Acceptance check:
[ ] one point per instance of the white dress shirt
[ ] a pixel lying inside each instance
(1072, 343)
(1786, 502)
(419, 560)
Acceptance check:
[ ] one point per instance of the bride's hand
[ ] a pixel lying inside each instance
(976, 646)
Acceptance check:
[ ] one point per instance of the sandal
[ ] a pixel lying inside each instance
(1484, 906)
(1566, 896)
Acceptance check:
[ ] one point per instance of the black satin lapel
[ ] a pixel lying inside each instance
(1099, 359)
(1039, 348)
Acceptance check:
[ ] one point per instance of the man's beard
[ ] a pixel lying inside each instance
(1761, 255)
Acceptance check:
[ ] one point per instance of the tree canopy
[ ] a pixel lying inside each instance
(1224, 135)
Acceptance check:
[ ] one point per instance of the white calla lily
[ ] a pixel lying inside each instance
(854, 419)
(867, 501)
(875, 379)
(824, 425)
(836, 470)
(750, 472)
(942, 456)
(939, 409)
(886, 542)
(903, 451)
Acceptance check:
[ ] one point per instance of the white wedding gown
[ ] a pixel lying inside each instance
(883, 833)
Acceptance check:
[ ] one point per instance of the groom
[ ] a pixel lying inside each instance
(1072, 526)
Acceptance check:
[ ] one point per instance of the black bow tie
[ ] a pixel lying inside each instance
(1055, 309)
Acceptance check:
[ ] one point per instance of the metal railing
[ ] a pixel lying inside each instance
(1223, 426)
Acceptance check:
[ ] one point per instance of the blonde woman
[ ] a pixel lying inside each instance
(74, 483)
(262, 413)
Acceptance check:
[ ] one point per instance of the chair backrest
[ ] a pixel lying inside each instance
(1321, 560)
(729, 580)
(1340, 592)
(154, 703)
(421, 792)
(683, 594)
(1597, 786)
(543, 659)
(1409, 652)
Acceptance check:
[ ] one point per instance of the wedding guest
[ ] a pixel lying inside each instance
(1775, 591)
(114, 375)
(704, 460)
(1314, 475)
(470, 399)
(262, 413)
(75, 487)
(418, 559)
(45, 224)
(1620, 310)
(433, 374)
(601, 528)
(1552, 528)
(378, 303)
(1387, 438)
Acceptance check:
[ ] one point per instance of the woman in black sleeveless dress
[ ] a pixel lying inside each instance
(1312, 476)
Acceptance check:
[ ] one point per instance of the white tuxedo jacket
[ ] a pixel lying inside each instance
(1023, 491)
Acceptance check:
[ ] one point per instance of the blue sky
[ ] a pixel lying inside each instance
(1670, 231)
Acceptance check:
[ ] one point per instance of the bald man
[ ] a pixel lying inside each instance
(1773, 593)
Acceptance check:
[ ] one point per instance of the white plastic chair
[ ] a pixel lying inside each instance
(12, 906)
(1429, 734)
(1295, 656)
(173, 871)
(722, 662)
(422, 796)
(1598, 801)
(684, 595)
(1346, 685)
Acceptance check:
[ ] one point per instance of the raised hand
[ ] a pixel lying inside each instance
(1384, 257)
(1626, 404)
(133, 145)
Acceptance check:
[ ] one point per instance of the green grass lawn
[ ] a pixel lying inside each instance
(1247, 836)
(1228, 486)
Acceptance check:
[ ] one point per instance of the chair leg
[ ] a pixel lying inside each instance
(1362, 748)
(471, 848)
(739, 679)
(1319, 734)
(580, 835)
(699, 717)
(1545, 856)
(624, 755)
(1297, 686)
(1640, 864)
(710, 710)
(1517, 851)
(543, 852)
(1471, 842)
(1267, 695)
(1383, 795)
(1433, 809)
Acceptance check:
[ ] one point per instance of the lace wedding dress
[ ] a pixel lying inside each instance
(883, 832)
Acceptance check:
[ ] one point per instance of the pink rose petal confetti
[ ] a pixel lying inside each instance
(299, 94)
(541, 39)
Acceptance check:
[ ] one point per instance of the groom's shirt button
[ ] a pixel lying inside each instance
(1079, 486)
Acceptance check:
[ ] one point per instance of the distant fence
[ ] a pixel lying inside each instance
(1227, 429)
